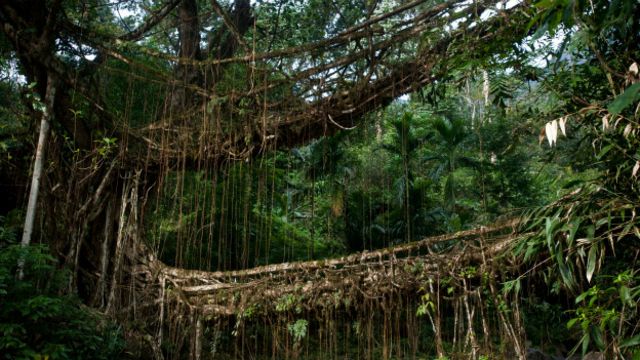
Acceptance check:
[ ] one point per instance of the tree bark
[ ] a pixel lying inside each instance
(186, 73)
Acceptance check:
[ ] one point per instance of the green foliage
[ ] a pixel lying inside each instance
(298, 329)
(37, 319)
(265, 207)
(414, 169)
(605, 310)
(624, 100)
(426, 305)
(584, 240)
(289, 302)
(542, 321)
(15, 140)
(105, 146)
(451, 133)
(600, 15)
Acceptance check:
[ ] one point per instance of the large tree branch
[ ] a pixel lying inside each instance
(152, 20)
(289, 123)
(294, 119)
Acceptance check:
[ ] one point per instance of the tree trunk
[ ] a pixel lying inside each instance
(186, 73)
(37, 168)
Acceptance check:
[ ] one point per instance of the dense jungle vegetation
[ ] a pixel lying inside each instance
(170, 170)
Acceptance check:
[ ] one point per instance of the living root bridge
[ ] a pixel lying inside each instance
(368, 274)
(383, 281)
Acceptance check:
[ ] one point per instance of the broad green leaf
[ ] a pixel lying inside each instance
(544, 4)
(596, 335)
(582, 296)
(622, 101)
(532, 249)
(585, 344)
(550, 230)
(604, 151)
(575, 225)
(625, 295)
(603, 221)
(565, 271)
(634, 341)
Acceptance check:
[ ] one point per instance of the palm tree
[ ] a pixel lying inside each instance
(405, 146)
(450, 133)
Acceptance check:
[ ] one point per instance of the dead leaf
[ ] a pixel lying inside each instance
(605, 122)
(562, 122)
(551, 129)
(632, 75)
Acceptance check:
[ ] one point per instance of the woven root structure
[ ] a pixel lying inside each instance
(376, 304)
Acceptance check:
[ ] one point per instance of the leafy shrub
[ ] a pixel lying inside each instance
(39, 320)
(298, 329)
(607, 315)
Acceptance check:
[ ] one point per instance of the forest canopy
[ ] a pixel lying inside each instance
(319, 179)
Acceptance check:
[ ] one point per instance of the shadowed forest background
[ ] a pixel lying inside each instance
(319, 179)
